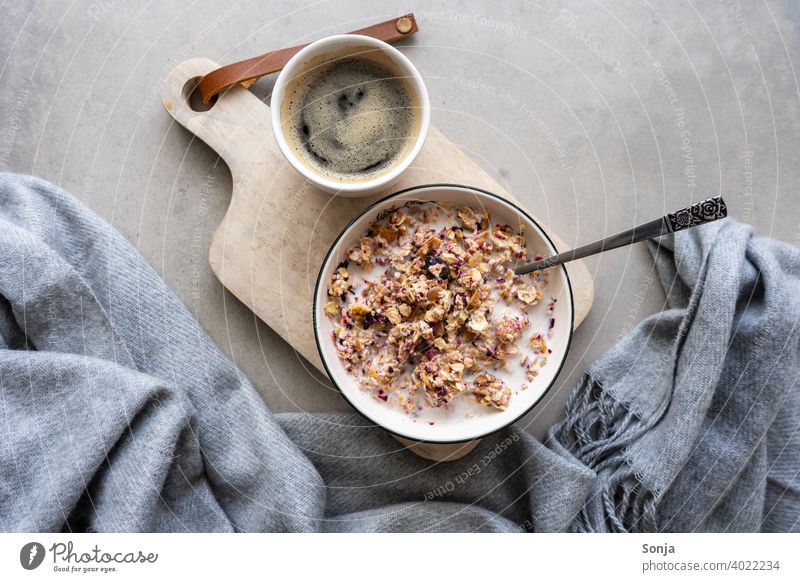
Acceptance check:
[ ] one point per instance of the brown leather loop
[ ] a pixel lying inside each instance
(246, 72)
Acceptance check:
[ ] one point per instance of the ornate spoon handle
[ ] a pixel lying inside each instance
(694, 215)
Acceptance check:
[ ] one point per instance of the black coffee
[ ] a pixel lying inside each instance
(350, 119)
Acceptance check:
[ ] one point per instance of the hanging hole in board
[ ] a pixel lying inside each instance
(192, 96)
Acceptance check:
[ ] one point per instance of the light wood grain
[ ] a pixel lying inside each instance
(269, 247)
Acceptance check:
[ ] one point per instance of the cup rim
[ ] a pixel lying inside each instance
(315, 308)
(278, 93)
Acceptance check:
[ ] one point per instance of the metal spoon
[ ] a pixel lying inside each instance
(694, 215)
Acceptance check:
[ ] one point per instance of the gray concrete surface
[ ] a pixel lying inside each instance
(595, 114)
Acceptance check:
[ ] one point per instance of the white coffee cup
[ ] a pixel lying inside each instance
(315, 53)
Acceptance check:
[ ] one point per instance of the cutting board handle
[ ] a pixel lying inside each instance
(239, 144)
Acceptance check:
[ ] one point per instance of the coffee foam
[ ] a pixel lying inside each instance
(350, 116)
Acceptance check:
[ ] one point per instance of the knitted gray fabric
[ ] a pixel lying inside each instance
(117, 413)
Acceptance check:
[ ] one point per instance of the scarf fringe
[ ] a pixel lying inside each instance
(597, 430)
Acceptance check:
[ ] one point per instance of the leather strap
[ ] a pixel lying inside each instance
(246, 72)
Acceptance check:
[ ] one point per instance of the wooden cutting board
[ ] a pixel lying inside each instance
(269, 247)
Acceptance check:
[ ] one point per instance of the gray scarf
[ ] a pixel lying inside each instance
(117, 412)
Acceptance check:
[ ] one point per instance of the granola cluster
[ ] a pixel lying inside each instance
(439, 306)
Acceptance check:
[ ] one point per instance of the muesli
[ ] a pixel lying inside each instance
(436, 307)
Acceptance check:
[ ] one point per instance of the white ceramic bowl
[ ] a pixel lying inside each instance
(450, 426)
(332, 45)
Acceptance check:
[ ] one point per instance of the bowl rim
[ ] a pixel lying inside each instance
(334, 245)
